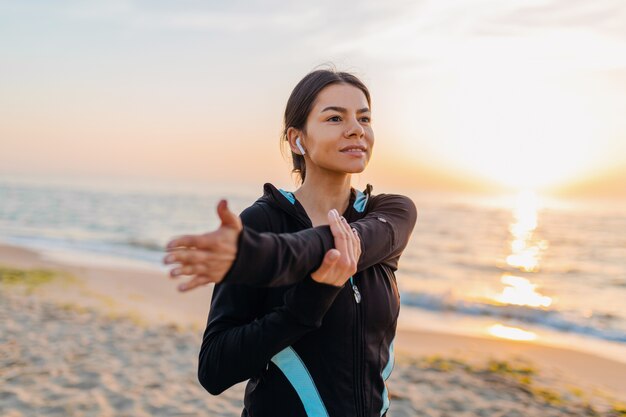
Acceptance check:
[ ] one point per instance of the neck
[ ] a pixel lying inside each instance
(321, 193)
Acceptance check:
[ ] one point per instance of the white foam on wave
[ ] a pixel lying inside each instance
(417, 319)
(564, 321)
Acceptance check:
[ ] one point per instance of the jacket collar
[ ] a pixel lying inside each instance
(286, 201)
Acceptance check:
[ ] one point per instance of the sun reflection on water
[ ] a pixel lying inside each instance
(525, 255)
(511, 333)
(525, 250)
(520, 291)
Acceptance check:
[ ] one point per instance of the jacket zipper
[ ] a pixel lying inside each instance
(357, 294)
(358, 347)
(358, 344)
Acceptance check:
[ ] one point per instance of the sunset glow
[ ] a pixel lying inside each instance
(478, 95)
(525, 248)
(521, 128)
(511, 333)
(520, 291)
(233, 166)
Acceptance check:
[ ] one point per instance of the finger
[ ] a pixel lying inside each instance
(195, 269)
(203, 241)
(357, 244)
(176, 256)
(194, 283)
(354, 252)
(228, 218)
(336, 229)
(188, 256)
(182, 270)
(181, 241)
(340, 234)
(330, 259)
(350, 238)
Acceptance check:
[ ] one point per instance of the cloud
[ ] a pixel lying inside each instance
(607, 16)
(248, 16)
(547, 35)
(402, 35)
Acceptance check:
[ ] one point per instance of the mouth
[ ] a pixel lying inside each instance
(354, 150)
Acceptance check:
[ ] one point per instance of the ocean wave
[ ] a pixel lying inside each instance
(600, 325)
(151, 245)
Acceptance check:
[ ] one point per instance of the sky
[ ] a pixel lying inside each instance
(467, 95)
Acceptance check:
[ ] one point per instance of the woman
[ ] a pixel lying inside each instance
(305, 304)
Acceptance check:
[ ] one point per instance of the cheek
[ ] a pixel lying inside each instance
(324, 148)
(370, 142)
(369, 137)
(326, 155)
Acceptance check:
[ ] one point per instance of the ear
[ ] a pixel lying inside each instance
(292, 134)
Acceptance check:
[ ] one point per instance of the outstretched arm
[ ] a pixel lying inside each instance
(241, 255)
(270, 259)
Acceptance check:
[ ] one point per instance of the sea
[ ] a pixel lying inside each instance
(520, 266)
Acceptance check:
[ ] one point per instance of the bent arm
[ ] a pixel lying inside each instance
(236, 347)
(271, 259)
(238, 341)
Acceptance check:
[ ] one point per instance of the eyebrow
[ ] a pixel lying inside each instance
(344, 110)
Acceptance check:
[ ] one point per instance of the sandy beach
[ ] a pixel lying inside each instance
(95, 341)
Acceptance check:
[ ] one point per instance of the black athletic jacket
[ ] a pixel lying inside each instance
(308, 348)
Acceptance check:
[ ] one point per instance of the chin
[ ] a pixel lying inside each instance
(355, 169)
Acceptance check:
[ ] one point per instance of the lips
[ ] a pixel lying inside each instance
(354, 151)
(354, 148)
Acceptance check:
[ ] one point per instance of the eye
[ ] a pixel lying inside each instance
(366, 119)
(331, 119)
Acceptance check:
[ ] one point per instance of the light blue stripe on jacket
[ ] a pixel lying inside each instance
(298, 375)
(386, 373)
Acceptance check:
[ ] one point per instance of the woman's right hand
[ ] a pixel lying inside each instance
(339, 264)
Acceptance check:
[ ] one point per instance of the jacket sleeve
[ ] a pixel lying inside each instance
(237, 344)
(271, 259)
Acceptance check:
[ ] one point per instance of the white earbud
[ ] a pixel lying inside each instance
(299, 145)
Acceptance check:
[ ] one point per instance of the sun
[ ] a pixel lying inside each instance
(520, 129)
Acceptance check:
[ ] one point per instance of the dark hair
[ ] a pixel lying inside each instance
(301, 102)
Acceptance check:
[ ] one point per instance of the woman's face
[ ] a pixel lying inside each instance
(339, 135)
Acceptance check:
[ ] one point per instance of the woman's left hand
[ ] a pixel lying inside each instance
(206, 257)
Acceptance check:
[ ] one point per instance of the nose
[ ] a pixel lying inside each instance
(355, 129)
